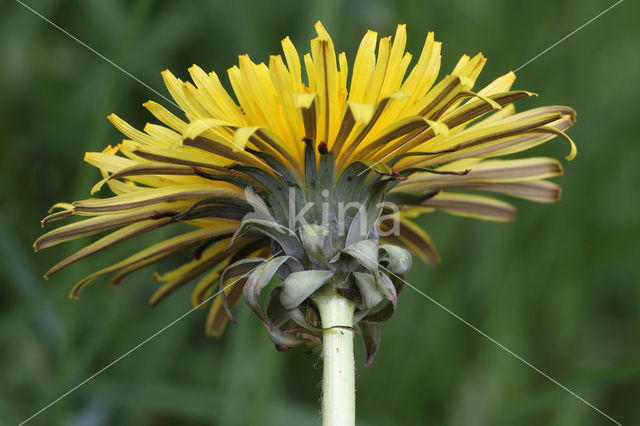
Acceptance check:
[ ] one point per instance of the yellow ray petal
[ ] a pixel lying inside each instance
(217, 318)
(475, 206)
(363, 68)
(215, 256)
(352, 114)
(215, 96)
(165, 116)
(110, 240)
(413, 238)
(153, 175)
(155, 195)
(372, 93)
(396, 67)
(493, 170)
(484, 141)
(161, 250)
(293, 64)
(285, 88)
(307, 103)
(192, 109)
(131, 132)
(500, 84)
(99, 224)
(327, 83)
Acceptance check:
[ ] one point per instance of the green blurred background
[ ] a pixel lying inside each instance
(559, 286)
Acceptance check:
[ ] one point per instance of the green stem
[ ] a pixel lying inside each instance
(338, 379)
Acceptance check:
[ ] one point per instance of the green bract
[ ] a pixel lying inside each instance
(324, 238)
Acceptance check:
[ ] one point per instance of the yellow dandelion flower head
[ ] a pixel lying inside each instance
(297, 135)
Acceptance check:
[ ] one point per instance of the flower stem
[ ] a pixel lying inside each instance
(338, 380)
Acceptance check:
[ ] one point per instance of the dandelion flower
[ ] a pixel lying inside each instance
(313, 174)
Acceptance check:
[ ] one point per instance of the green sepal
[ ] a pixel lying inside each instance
(387, 288)
(326, 172)
(369, 292)
(237, 269)
(262, 177)
(258, 280)
(352, 294)
(396, 259)
(301, 285)
(284, 173)
(260, 209)
(279, 316)
(351, 183)
(364, 222)
(371, 339)
(276, 313)
(365, 252)
(381, 315)
(285, 237)
(387, 311)
(283, 341)
(315, 242)
(299, 318)
(309, 163)
(324, 182)
(271, 188)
